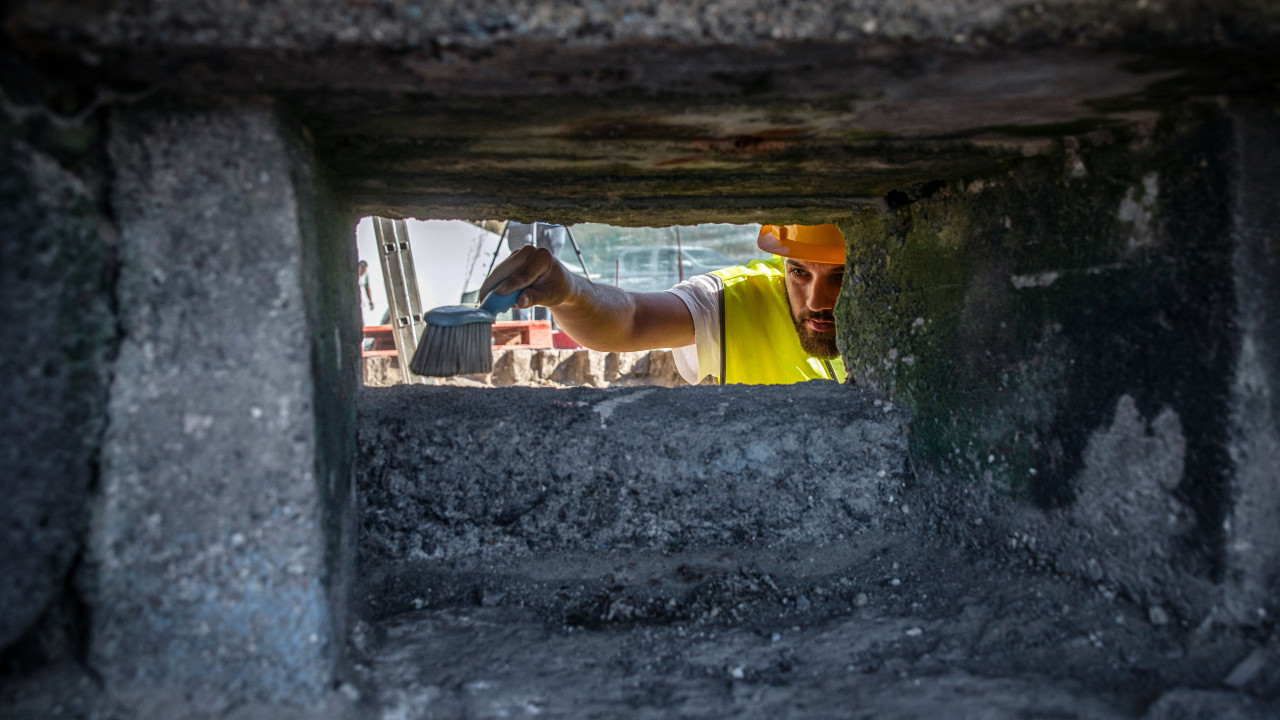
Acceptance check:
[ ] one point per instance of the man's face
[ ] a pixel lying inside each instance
(812, 289)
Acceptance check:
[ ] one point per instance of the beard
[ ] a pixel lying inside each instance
(817, 344)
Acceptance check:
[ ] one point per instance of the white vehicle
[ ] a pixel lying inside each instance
(650, 269)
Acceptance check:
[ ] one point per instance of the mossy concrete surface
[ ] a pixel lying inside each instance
(1067, 334)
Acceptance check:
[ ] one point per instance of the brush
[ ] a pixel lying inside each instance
(458, 339)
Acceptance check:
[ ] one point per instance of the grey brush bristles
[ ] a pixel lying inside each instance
(458, 339)
(454, 350)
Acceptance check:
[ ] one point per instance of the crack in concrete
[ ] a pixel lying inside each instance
(607, 408)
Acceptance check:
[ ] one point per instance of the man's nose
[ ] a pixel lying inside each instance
(822, 297)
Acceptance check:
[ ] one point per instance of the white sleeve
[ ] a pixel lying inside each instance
(701, 294)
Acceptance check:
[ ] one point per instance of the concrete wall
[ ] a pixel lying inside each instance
(217, 553)
(1069, 334)
(57, 267)
(1252, 533)
(179, 398)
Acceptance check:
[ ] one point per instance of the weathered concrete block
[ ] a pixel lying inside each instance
(513, 367)
(218, 548)
(56, 267)
(545, 363)
(451, 472)
(382, 371)
(618, 364)
(662, 369)
(580, 367)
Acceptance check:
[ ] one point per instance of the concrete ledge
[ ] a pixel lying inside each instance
(452, 472)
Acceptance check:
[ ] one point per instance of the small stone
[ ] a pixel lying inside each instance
(737, 672)
(803, 604)
(861, 600)
(349, 691)
(895, 582)
(775, 637)
(1157, 615)
(914, 632)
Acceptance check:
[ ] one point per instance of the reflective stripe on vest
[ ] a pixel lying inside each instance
(758, 341)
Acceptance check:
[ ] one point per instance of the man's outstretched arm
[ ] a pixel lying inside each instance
(600, 317)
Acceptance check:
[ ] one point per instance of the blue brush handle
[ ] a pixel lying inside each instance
(455, 315)
(495, 303)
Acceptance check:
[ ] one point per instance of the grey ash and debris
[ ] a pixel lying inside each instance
(694, 584)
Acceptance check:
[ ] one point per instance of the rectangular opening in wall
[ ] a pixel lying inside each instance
(410, 267)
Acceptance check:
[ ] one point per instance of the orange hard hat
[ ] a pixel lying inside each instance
(813, 243)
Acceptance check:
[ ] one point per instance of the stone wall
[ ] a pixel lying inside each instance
(550, 368)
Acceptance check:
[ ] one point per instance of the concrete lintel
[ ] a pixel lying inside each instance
(579, 23)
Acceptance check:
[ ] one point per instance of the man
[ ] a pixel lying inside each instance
(770, 321)
(363, 280)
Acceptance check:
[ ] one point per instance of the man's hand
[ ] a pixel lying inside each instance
(537, 274)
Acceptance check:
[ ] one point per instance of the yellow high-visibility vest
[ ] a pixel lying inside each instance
(758, 341)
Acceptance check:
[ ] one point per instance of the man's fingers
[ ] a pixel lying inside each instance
(534, 272)
(540, 293)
